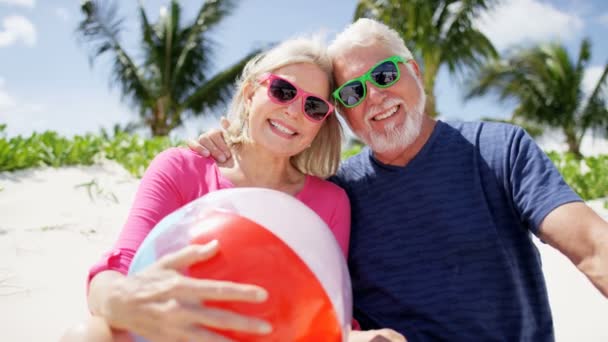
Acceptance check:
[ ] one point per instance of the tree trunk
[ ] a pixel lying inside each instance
(574, 144)
(158, 122)
(431, 67)
(430, 109)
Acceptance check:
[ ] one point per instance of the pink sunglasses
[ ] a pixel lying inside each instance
(281, 91)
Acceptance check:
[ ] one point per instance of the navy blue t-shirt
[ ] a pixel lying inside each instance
(441, 249)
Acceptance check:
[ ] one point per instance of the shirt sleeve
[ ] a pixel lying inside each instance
(159, 194)
(536, 185)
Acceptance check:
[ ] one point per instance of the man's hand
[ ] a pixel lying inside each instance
(381, 335)
(212, 144)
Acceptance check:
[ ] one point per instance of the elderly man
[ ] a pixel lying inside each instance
(442, 212)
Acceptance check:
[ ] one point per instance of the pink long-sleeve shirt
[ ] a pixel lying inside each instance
(178, 176)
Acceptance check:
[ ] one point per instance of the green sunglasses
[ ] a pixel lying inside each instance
(382, 75)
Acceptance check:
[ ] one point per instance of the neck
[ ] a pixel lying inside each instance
(401, 157)
(254, 167)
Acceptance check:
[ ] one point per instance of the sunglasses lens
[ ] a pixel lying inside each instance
(315, 108)
(385, 74)
(282, 91)
(352, 93)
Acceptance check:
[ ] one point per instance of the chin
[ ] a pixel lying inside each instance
(396, 137)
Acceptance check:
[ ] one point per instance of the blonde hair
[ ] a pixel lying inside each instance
(323, 156)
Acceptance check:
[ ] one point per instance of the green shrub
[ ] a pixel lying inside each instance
(588, 177)
(49, 149)
(354, 149)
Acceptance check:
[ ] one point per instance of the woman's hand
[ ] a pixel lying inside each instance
(161, 304)
(381, 335)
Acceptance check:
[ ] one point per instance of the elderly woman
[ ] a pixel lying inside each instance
(283, 136)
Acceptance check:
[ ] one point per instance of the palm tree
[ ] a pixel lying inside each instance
(548, 85)
(172, 80)
(439, 32)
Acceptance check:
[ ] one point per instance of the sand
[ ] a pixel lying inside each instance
(54, 223)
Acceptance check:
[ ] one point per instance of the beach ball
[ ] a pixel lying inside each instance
(270, 239)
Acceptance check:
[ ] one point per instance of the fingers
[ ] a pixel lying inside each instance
(186, 288)
(187, 293)
(207, 144)
(189, 255)
(219, 290)
(218, 140)
(224, 123)
(184, 332)
(198, 334)
(389, 335)
(379, 338)
(226, 320)
(198, 148)
(213, 142)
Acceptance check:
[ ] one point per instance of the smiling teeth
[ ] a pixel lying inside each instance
(386, 115)
(282, 128)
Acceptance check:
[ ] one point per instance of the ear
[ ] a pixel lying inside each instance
(248, 92)
(416, 68)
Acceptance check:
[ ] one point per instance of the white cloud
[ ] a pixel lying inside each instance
(62, 13)
(7, 102)
(592, 75)
(24, 3)
(518, 21)
(12, 110)
(17, 28)
(21, 118)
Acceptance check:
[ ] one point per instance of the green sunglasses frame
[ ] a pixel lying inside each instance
(368, 77)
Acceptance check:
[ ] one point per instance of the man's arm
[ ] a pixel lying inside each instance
(582, 235)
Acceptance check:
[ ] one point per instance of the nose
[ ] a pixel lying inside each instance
(294, 108)
(374, 95)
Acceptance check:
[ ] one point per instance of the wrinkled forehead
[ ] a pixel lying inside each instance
(357, 61)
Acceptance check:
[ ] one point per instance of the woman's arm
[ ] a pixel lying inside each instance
(160, 301)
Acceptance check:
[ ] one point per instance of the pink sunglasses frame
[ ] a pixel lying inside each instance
(299, 93)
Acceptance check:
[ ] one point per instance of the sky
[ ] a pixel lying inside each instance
(47, 82)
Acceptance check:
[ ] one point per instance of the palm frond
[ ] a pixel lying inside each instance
(595, 111)
(209, 15)
(169, 48)
(601, 85)
(217, 90)
(547, 83)
(365, 9)
(100, 29)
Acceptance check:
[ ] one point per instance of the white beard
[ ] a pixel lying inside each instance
(396, 137)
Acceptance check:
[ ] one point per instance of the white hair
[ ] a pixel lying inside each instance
(367, 33)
